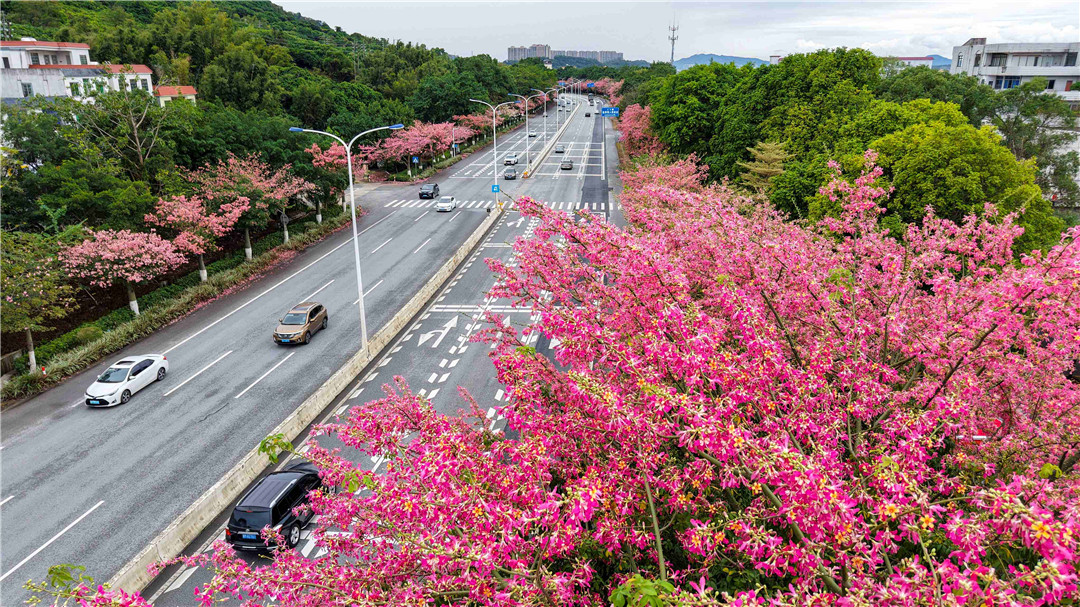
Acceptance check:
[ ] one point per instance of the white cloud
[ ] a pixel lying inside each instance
(808, 45)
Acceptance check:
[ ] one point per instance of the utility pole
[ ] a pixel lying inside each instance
(673, 28)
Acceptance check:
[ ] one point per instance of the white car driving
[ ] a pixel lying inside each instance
(446, 203)
(532, 133)
(511, 158)
(124, 378)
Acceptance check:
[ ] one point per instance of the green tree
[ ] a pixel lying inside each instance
(976, 100)
(239, 78)
(1040, 126)
(33, 287)
(438, 98)
(767, 164)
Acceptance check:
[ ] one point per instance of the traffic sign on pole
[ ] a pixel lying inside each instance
(590, 85)
(495, 188)
(416, 159)
(610, 111)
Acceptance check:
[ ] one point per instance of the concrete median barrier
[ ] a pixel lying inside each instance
(133, 576)
(551, 144)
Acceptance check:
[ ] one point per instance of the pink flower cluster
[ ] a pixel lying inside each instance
(111, 256)
(198, 225)
(636, 132)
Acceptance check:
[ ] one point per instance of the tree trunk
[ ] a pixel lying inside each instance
(30, 349)
(247, 243)
(202, 269)
(285, 227)
(318, 212)
(133, 303)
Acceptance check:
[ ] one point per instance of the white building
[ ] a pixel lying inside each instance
(915, 61)
(1004, 66)
(21, 54)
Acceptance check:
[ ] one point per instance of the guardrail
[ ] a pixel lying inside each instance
(133, 576)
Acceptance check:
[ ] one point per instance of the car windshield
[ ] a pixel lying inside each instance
(113, 375)
(427, 188)
(445, 199)
(294, 318)
(250, 518)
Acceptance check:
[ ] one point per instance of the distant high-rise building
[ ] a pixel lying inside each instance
(543, 51)
(517, 53)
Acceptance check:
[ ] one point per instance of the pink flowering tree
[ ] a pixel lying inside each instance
(745, 412)
(330, 167)
(636, 132)
(198, 224)
(269, 191)
(124, 257)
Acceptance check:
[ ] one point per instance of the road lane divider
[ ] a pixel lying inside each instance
(170, 542)
(53, 539)
(551, 145)
(368, 292)
(263, 376)
(198, 373)
(308, 298)
(381, 246)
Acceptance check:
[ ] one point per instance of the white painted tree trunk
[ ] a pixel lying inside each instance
(285, 227)
(202, 269)
(30, 348)
(247, 243)
(133, 303)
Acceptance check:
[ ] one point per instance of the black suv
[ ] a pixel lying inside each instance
(270, 503)
(429, 190)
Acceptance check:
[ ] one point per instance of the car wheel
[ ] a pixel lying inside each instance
(125, 396)
(292, 536)
(161, 374)
(307, 337)
(325, 318)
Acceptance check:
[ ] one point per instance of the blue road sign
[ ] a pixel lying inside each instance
(562, 82)
(590, 85)
(416, 159)
(495, 188)
(610, 111)
(455, 146)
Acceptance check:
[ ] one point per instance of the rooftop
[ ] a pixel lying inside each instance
(41, 43)
(174, 91)
(113, 68)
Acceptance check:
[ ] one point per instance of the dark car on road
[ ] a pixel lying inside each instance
(588, 114)
(270, 503)
(566, 165)
(510, 174)
(429, 190)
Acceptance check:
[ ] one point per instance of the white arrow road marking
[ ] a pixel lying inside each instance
(197, 373)
(450, 324)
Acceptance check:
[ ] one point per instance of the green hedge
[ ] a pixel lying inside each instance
(85, 345)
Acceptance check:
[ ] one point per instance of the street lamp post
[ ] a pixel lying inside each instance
(528, 133)
(352, 198)
(494, 141)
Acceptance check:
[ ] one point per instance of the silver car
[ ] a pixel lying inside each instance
(446, 203)
(124, 378)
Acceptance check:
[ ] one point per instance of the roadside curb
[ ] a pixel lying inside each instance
(551, 144)
(134, 577)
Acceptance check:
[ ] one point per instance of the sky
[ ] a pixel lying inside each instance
(747, 29)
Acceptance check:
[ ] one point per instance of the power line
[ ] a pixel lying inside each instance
(673, 28)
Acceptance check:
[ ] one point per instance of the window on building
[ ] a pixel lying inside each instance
(35, 58)
(1006, 82)
(1070, 59)
(84, 60)
(1049, 85)
(74, 89)
(959, 59)
(7, 64)
(101, 87)
(146, 85)
(86, 86)
(998, 59)
(978, 59)
(27, 89)
(47, 62)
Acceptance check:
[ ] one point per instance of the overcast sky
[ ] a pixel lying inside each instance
(749, 29)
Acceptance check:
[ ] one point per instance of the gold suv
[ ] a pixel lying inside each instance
(300, 322)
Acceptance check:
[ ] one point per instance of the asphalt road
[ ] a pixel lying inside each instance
(94, 486)
(433, 353)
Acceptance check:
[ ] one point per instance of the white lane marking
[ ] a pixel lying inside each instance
(382, 245)
(283, 281)
(197, 373)
(7, 499)
(181, 579)
(454, 217)
(308, 298)
(421, 246)
(261, 377)
(421, 216)
(368, 292)
(433, 393)
(54, 538)
(433, 377)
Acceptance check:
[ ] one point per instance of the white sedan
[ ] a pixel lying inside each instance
(124, 378)
(532, 133)
(446, 203)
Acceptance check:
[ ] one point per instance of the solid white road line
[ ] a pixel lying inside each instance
(381, 246)
(308, 298)
(7, 499)
(454, 217)
(421, 246)
(368, 292)
(261, 377)
(54, 538)
(181, 580)
(197, 373)
(421, 216)
(283, 281)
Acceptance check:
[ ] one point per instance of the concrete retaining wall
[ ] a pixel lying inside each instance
(133, 576)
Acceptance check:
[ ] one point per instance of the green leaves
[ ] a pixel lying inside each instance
(272, 446)
(642, 592)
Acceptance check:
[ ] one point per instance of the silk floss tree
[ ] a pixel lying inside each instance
(199, 226)
(111, 257)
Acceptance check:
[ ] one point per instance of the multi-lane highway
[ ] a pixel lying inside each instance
(93, 487)
(434, 353)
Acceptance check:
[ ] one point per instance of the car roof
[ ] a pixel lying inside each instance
(270, 488)
(428, 185)
(303, 306)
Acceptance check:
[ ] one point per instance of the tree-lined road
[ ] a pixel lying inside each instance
(94, 486)
(434, 354)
